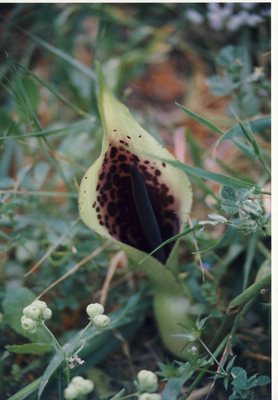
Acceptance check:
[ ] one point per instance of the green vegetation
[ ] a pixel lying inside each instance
(197, 77)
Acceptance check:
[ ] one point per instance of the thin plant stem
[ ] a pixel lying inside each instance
(211, 354)
(55, 342)
(203, 372)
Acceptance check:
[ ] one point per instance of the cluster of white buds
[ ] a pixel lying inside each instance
(77, 387)
(149, 396)
(34, 314)
(147, 383)
(97, 316)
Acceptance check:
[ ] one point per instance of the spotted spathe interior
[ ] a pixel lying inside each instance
(115, 205)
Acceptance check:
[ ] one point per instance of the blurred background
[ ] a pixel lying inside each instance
(212, 58)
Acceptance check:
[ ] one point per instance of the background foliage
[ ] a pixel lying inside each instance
(215, 61)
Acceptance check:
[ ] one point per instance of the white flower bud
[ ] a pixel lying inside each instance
(47, 314)
(101, 321)
(149, 396)
(87, 387)
(77, 380)
(32, 311)
(94, 309)
(28, 324)
(71, 392)
(40, 304)
(83, 386)
(147, 381)
(36, 310)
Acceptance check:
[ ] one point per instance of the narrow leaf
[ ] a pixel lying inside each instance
(119, 395)
(77, 126)
(26, 391)
(30, 348)
(257, 125)
(213, 176)
(51, 368)
(202, 120)
(61, 54)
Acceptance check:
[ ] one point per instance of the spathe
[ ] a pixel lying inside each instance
(132, 197)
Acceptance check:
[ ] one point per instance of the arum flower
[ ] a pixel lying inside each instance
(132, 196)
(129, 194)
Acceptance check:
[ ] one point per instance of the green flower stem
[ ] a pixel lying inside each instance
(171, 298)
(238, 308)
(67, 371)
(250, 293)
(55, 342)
(82, 333)
(58, 348)
(128, 396)
(264, 250)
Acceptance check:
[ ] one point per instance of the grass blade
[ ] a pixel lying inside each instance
(57, 94)
(251, 139)
(213, 176)
(77, 126)
(26, 391)
(201, 120)
(256, 125)
(61, 54)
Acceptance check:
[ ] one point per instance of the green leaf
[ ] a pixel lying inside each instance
(6, 121)
(173, 387)
(222, 179)
(32, 92)
(260, 381)
(230, 364)
(26, 391)
(240, 380)
(228, 55)
(201, 120)
(201, 323)
(73, 128)
(61, 54)
(30, 348)
(228, 193)
(225, 240)
(257, 125)
(246, 130)
(13, 304)
(221, 86)
(230, 206)
(52, 89)
(51, 368)
(119, 395)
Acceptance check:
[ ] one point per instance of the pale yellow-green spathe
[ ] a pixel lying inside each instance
(170, 303)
